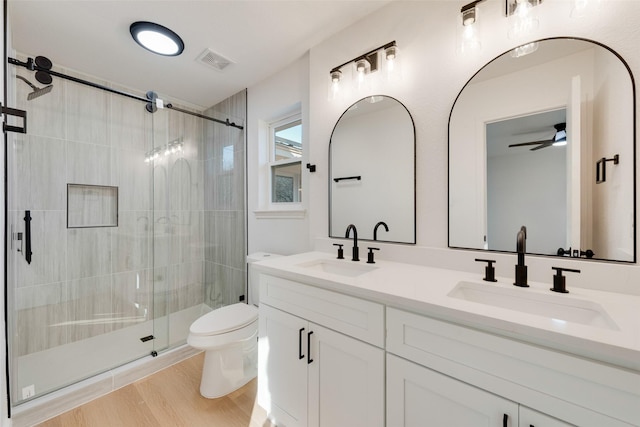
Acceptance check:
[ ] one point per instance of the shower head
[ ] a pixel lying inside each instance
(36, 90)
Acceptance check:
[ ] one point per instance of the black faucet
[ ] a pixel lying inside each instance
(355, 241)
(521, 268)
(375, 229)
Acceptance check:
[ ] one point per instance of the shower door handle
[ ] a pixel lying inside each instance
(27, 236)
(17, 113)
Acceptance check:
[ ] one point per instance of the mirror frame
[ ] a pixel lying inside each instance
(633, 89)
(415, 222)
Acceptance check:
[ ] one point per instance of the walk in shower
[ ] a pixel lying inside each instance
(123, 226)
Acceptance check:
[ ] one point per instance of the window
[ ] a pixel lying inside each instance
(286, 160)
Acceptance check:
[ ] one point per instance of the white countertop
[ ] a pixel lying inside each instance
(425, 290)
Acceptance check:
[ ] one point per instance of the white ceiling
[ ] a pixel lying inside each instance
(259, 36)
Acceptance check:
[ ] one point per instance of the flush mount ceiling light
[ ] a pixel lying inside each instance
(156, 38)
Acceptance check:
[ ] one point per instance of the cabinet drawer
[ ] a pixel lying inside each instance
(583, 392)
(354, 317)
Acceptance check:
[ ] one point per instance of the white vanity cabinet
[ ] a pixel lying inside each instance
(321, 360)
(531, 418)
(447, 369)
(417, 397)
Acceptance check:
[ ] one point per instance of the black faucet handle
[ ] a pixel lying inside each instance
(588, 253)
(489, 270)
(340, 250)
(559, 281)
(370, 259)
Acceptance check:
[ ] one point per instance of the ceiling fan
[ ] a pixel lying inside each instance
(559, 138)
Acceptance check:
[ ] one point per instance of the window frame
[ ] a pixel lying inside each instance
(274, 127)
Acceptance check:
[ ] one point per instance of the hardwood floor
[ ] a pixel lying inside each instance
(168, 398)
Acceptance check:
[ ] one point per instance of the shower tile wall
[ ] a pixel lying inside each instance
(86, 282)
(224, 204)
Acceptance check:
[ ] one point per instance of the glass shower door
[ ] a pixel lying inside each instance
(80, 279)
(178, 249)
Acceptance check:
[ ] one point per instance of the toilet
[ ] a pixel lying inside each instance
(228, 336)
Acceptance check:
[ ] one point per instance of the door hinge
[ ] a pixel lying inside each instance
(17, 113)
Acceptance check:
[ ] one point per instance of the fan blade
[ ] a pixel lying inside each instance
(522, 144)
(545, 145)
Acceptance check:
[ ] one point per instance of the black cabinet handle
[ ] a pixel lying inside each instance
(27, 236)
(300, 355)
(309, 359)
(505, 419)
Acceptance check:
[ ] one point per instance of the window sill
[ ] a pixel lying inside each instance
(280, 214)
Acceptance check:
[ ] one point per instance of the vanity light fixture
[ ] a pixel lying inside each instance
(511, 6)
(390, 53)
(156, 38)
(467, 38)
(361, 67)
(468, 13)
(364, 64)
(523, 23)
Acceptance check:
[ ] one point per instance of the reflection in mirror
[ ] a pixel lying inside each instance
(372, 171)
(525, 136)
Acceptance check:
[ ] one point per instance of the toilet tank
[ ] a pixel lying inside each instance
(252, 279)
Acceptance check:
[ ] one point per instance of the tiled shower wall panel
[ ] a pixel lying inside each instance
(224, 204)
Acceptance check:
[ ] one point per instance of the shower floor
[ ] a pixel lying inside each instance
(50, 369)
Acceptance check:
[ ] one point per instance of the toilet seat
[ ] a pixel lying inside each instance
(224, 320)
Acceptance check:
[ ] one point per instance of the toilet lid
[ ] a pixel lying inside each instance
(225, 319)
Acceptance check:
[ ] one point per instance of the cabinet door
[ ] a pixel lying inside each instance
(417, 396)
(282, 367)
(346, 381)
(531, 418)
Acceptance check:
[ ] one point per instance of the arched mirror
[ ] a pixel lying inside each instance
(372, 171)
(546, 140)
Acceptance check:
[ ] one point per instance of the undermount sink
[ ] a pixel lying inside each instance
(339, 267)
(559, 308)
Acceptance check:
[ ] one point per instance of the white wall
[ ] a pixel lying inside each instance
(611, 233)
(433, 74)
(280, 231)
(518, 186)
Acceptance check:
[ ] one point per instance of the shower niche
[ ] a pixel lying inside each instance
(92, 206)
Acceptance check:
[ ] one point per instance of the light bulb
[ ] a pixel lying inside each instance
(390, 53)
(361, 66)
(523, 23)
(469, 16)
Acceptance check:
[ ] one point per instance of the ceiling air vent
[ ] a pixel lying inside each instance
(213, 60)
